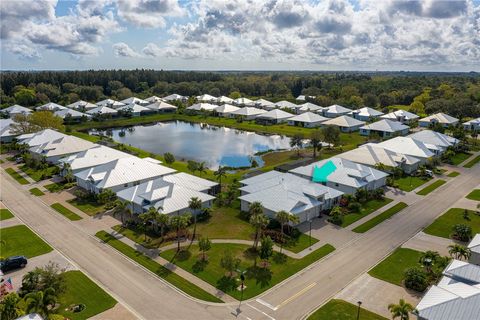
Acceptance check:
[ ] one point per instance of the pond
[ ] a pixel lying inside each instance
(217, 146)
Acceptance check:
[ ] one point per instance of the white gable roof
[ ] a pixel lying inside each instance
(370, 154)
(275, 114)
(474, 245)
(407, 145)
(160, 105)
(133, 100)
(226, 108)
(51, 106)
(70, 112)
(399, 114)
(93, 157)
(241, 101)
(336, 109)
(135, 108)
(248, 111)
(102, 110)
(173, 97)
(309, 117)
(385, 125)
(16, 109)
(434, 138)
(110, 103)
(262, 103)
(202, 106)
(367, 112)
(153, 99)
(190, 181)
(309, 107)
(286, 104)
(40, 137)
(344, 121)
(440, 118)
(81, 104)
(62, 146)
(224, 99)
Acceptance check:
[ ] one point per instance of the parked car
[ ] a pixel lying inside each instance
(429, 173)
(18, 160)
(13, 263)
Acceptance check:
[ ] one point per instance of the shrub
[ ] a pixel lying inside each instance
(416, 279)
(462, 232)
(354, 207)
(336, 218)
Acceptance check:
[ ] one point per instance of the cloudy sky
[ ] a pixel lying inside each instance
(241, 34)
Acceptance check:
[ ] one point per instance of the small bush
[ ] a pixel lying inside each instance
(462, 232)
(416, 279)
(336, 218)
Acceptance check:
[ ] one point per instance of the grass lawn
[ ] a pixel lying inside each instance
(89, 207)
(54, 187)
(161, 271)
(20, 240)
(258, 279)
(409, 183)
(473, 162)
(39, 174)
(1, 161)
(392, 268)
(299, 244)
(36, 192)
(15, 175)
(442, 226)
(459, 157)
(65, 212)
(342, 310)
(5, 214)
(82, 290)
(137, 235)
(367, 208)
(364, 227)
(431, 187)
(474, 195)
(453, 174)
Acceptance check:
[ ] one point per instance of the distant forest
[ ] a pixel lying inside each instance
(423, 93)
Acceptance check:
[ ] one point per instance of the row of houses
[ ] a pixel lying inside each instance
(143, 182)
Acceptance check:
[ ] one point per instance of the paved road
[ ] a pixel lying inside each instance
(150, 298)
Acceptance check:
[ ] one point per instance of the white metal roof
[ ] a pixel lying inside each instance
(224, 99)
(367, 112)
(434, 138)
(400, 114)
(308, 106)
(248, 111)
(241, 101)
(474, 245)
(385, 125)
(441, 117)
(370, 154)
(134, 100)
(81, 104)
(16, 109)
(173, 97)
(226, 108)
(408, 146)
(122, 171)
(206, 98)
(275, 114)
(5, 129)
(286, 104)
(51, 106)
(473, 121)
(336, 109)
(62, 146)
(70, 112)
(262, 103)
(40, 137)
(153, 99)
(135, 108)
(93, 157)
(160, 105)
(110, 103)
(190, 181)
(344, 121)
(202, 106)
(309, 117)
(102, 110)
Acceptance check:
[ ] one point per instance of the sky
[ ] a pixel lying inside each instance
(383, 35)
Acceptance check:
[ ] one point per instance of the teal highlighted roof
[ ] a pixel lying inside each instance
(320, 174)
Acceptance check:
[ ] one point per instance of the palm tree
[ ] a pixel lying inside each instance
(219, 174)
(162, 220)
(179, 223)
(258, 220)
(400, 310)
(11, 307)
(283, 217)
(149, 216)
(122, 209)
(459, 252)
(316, 141)
(194, 204)
(297, 142)
(201, 167)
(428, 259)
(40, 302)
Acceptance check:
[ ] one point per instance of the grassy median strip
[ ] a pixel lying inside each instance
(380, 218)
(15, 175)
(65, 212)
(36, 192)
(453, 174)
(474, 195)
(472, 162)
(5, 214)
(342, 310)
(182, 284)
(431, 187)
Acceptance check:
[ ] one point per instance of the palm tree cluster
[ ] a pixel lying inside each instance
(432, 265)
(258, 220)
(285, 218)
(459, 252)
(401, 310)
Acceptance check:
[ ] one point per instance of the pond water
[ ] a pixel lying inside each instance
(217, 146)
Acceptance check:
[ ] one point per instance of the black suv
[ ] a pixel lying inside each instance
(13, 263)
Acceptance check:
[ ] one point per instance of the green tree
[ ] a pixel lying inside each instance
(37, 121)
(106, 196)
(195, 204)
(229, 262)
(122, 209)
(428, 259)
(316, 141)
(204, 244)
(462, 232)
(296, 142)
(11, 307)
(180, 223)
(266, 249)
(40, 302)
(258, 220)
(283, 217)
(416, 279)
(459, 252)
(40, 279)
(331, 135)
(219, 174)
(201, 168)
(25, 97)
(192, 166)
(169, 158)
(401, 310)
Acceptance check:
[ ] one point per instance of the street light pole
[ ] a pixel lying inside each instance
(310, 233)
(358, 310)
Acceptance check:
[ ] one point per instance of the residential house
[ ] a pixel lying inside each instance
(287, 105)
(242, 101)
(443, 119)
(71, 114)
(120, 174)
(153, 99)
(224, 100)
(206, 98)
(175, 97)
(51, 106)
(408, 146)
(371, 155)
(247, 113)
(309, 107)
(385, 129)
(40, 137)
(472, 125)
(52, 151)
(334, 111)
(307, 120)
(263, 104)
(274, 116)
(343, 175)
(81, 106)
(474, 247)
(113, 104)
(199, 107)
(162, 107)
(435, 141)
(14, 110)
(402, 116)
(193, 182)
(7, 134)
(366, 114)
(103, 111)
(225, 110)
(288, 192)
(304, 97)
(135, 100)
(345, 123)
(135, 110)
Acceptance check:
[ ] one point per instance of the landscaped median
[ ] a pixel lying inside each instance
(342, 310)
(36, 192)
(5, 214)
(474, 195)
(65, 212)
(431, 187)
(182, 284)
(453, 174)
(15, 175)
(380, 218)
(472, 162)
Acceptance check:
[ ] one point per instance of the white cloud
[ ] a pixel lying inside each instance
(152, 50)
(122, 49)
(25, 52)
(148, 13)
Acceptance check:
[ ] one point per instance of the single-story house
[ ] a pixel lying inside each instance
(102, 111)
(365, 114)
(408, 146)
(307, 120)
(247, 113)
(81, 105)
(309, 107)
(345, 123)
(402, 116)
(110, 103)
(174, 97)
(334, 111)
(444, 119)
(197, 107)
(51, 106)
(474, 247)
(6, 132)
(12, 111)
(167, 197)
(472, 125)
(304, 97)
(206, 98)
(456, 296)
(225, 110)
(71, 113)
(92, 157)
(371, 155)
(120, 174)
(274, 116)
(288, 192)
(224, 100)
(343, 175)
(40, 137)
(284, 104)
(135, 109)
(193, 182)
(434, 140)
(385, 128)
(161, 107)
(263, 104)
(135, 100)
(59, 148)
(153, 99)
(242, 101)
